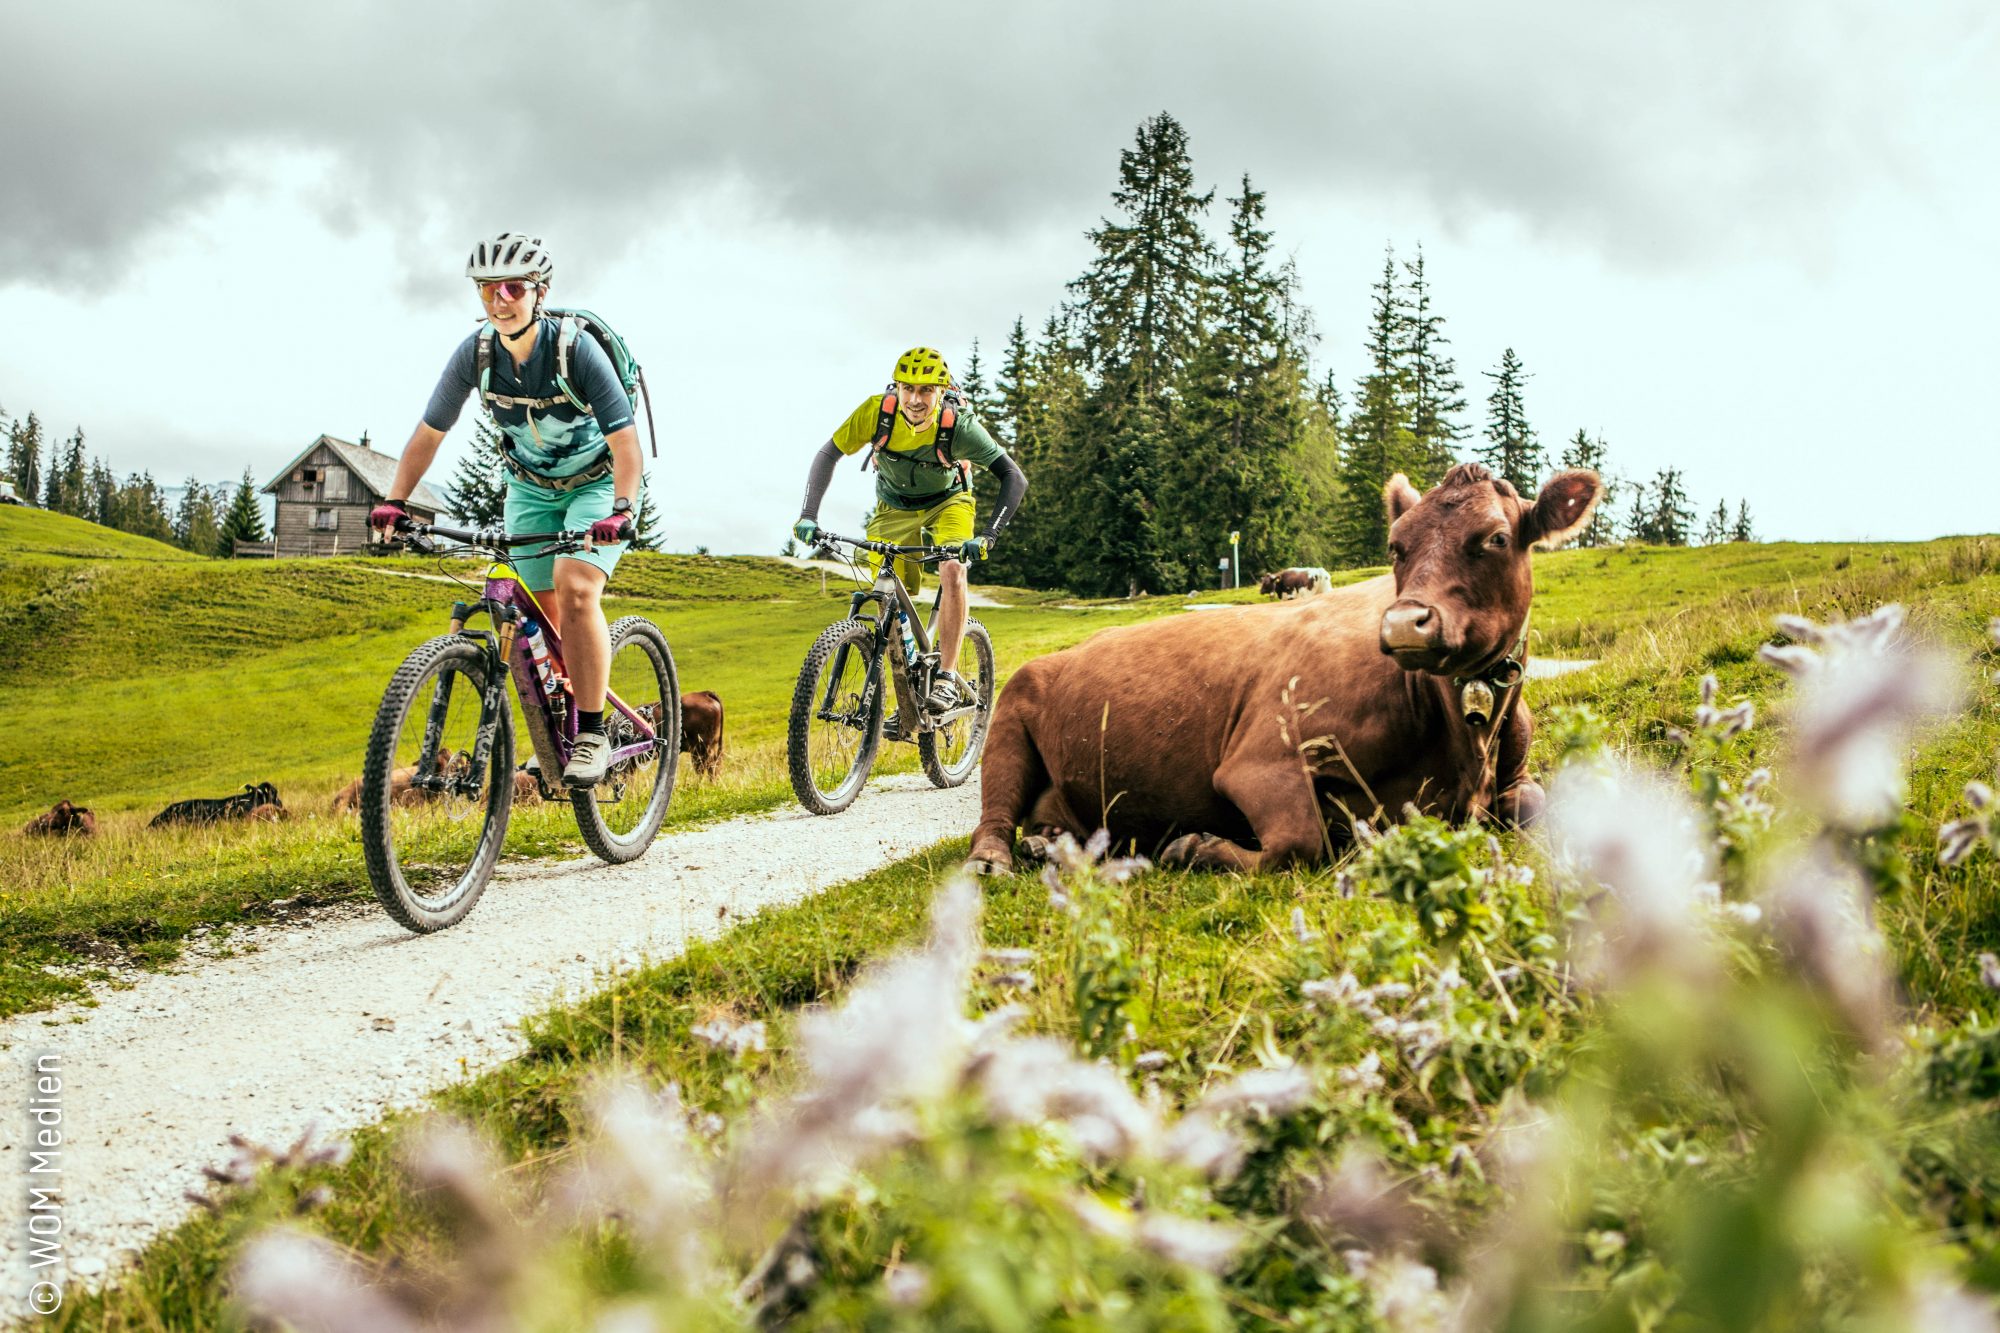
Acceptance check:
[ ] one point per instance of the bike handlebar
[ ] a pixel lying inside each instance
(492, 539)
(924, 554)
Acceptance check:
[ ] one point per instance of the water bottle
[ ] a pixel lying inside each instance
(909, 639)
(538, 653)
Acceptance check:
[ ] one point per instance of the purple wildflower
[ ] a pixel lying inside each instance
(305, 1283)
(1208, 1246)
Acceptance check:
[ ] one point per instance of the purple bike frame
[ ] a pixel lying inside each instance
(508, 590)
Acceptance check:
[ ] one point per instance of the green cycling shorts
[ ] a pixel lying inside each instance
(946, 523)
(530, 508)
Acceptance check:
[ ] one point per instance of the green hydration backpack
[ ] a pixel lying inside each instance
(947, 426)
(569, 323)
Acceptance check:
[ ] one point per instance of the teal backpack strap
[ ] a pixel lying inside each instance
(485, 363)
(566, 331)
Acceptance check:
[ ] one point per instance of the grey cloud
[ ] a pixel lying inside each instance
(1651, 132)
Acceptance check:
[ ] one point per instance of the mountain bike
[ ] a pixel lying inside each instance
(438, 783)
(836, 723)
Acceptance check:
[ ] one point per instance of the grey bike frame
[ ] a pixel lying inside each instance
(888, 587)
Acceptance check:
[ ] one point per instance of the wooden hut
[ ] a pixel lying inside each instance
(324, 496)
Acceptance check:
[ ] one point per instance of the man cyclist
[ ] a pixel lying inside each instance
(923, 495)
(568, 467)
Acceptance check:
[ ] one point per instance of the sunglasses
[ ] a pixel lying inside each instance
(511, 290)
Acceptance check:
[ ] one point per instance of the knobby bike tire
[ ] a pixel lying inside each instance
(385, 873)
(930, 745)
(599, 836)
(859, 636)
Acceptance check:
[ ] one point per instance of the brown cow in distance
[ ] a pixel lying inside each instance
(63, 820)
(701, 730)
(1286, 583)
(1250, 738)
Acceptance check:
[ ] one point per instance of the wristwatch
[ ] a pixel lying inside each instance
(621, 506)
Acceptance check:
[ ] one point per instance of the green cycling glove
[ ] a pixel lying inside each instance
(805, 530)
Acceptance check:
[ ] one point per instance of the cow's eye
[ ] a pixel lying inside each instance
(1498, 541)
(1395, 553)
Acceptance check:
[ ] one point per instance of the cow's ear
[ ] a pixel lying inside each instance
(1399, 496)
(1562, 509)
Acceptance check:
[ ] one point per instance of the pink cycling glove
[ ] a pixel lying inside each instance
(613, 529)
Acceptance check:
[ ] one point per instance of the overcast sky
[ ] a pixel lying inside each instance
(1755, 242)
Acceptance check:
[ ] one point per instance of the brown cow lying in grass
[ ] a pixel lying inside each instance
(400, 790)
(1254, 737)
(62, 820)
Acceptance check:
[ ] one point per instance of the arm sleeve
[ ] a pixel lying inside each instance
(598, 383)
(1013, 485)
(818, 477)
(459, 379)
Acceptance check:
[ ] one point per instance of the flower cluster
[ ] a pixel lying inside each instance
(1862, 686)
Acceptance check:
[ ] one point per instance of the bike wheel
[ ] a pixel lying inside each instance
(620, 815)
(431, 827)
(836, 719)
(951, 752)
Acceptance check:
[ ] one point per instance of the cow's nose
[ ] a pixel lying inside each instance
(1409, 626)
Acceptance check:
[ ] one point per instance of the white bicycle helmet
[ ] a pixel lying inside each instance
(511, 254)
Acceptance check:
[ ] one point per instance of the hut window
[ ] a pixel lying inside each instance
(326, 520)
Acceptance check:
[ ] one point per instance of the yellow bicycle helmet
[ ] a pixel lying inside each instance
(922, 365)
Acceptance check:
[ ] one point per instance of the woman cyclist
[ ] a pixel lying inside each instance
(568, 467)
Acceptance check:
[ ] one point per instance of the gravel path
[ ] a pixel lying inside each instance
(341, 1018)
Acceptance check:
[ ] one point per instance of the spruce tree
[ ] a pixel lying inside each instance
(973, 388)
(1741, 531)
(477, 495)
(243, 520)
(1588, 454)
(1377, 442)
(1717, 528)
(1141, 308)
(196, 523)
(106, 502)
(1039, 398)
(1319, 470)
(646, 534)
(1142, 297)
(67, 488)
(1015, 380)
(24, 457)
(1511, 451)
(145, 508)
(1242, 412)
(1436, 397)
(1667, 520)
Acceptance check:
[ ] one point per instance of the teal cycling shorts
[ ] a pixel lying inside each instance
(530, 508)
